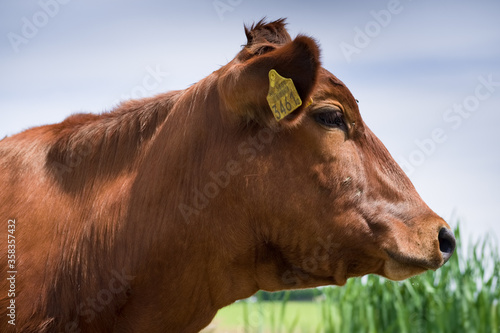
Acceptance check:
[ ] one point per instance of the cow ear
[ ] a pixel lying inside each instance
(244, 87)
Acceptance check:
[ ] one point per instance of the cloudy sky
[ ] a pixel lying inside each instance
(426, 73)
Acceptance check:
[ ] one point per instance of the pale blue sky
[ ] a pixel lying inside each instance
(409, 72)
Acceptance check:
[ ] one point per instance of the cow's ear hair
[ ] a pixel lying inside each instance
(244, 86)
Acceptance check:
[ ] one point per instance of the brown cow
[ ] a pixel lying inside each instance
(152, 217)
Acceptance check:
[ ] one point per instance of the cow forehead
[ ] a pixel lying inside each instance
(330, 88)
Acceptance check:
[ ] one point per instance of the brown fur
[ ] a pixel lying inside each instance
(113, 235)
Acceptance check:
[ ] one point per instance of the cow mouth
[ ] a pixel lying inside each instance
(415, 262)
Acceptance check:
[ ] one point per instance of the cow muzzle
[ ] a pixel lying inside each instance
(410, 258)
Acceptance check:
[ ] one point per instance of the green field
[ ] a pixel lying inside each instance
(462, 296)
(254, 316)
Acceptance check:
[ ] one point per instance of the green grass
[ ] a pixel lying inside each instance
(266, 317)
(462, 296)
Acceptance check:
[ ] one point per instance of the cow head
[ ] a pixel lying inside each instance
(324, 199)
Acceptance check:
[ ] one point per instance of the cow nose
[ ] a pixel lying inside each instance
(446, 243)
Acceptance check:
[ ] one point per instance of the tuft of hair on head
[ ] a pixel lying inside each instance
(263, 36)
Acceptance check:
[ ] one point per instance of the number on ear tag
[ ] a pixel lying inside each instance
(282, 97)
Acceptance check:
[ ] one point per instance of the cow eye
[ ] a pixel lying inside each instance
(330, 118)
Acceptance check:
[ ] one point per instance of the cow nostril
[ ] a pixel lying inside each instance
(446, 243)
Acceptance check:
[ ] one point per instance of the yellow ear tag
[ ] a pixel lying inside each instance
(282, 97)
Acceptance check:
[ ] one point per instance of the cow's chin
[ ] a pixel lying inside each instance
(397, 271)
(404, 261)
